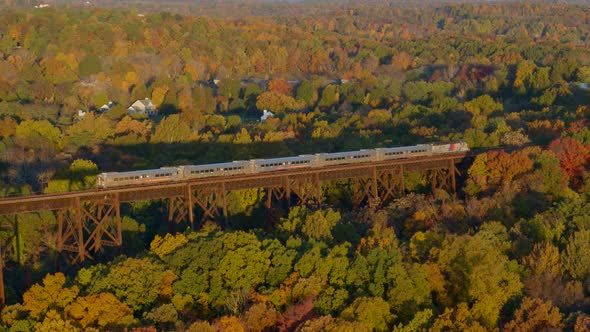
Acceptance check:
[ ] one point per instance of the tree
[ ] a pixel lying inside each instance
(83, 172)
(457, 319)
(31, 132)
(277, 102)
(418, 323)
(576, 259)
(409, 289)
(7, 126)
(260, 317)
(373, 311)
(329, 97)
(229, 324)
(159, 94)
(545, 281)
(535, 315)
(572, 155)
(53, 322)
(101, 310)
(483, 105)
(479, 272)
(295, 314)
(136, 282)
(164, 316)
(279, 85)
(171, 130)
(51, 296)
(318, 225)
(229, 88)
(89, 131)
(168, 244)
(138, 130)
(306, 93)
(89, 65)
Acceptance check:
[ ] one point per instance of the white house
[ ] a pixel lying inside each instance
(106, 107)
(143, 106)
(265, 115)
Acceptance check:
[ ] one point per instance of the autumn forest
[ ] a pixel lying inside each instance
(509, 251)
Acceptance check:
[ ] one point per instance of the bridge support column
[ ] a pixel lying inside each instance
(178, 210)
(391, 182)
(361, 190)
(445, 177)
(274, 193)
(89, 226)
(308, 189)
(210, 198)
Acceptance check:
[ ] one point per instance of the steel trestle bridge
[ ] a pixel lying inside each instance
(88, 220)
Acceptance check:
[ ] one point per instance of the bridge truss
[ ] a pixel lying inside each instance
(90, 220)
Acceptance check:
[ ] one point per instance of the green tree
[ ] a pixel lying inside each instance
(329, 97)
(319, 224)
(479, 272)
(576, 259)
(137, 282)
(306, 93)
(89, 65)
(373, 311)
(171, 130)
(229, 88)
(31, 132)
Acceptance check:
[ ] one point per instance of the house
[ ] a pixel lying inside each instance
(143, 106)
(81, 114)
(265, 115)
(106, 107)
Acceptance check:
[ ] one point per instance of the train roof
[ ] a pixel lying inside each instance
(300, 157)
(229, 163)
(145, 171)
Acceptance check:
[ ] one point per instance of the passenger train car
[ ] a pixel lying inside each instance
(185, 172)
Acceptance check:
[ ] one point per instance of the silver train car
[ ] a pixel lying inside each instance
(220, 169)
(186, 172)
(149, 176)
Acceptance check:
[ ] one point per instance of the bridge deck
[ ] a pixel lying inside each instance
(57, 201)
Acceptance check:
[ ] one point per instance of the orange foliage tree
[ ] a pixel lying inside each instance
(572, 155)
(279, 85)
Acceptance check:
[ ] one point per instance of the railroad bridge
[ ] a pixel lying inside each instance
(89, 220)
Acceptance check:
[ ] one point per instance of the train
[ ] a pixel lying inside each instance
(254, 166)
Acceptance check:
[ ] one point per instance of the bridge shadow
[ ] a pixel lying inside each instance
(22, 177)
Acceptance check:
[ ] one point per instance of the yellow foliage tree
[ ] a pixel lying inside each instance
(230, 324)
(168, 244)
(53, 322)
(52, 295)
(100, 310)
(159, 94)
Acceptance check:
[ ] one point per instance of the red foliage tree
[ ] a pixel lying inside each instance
(296, 314)
(572, 155)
